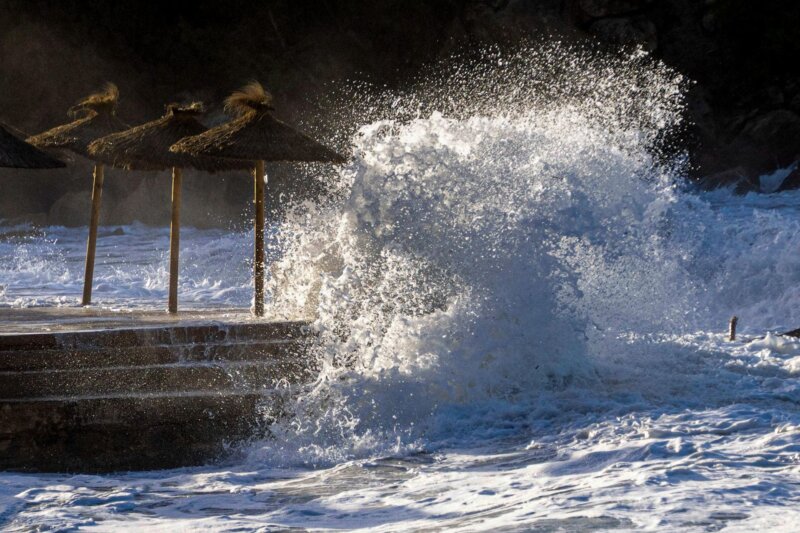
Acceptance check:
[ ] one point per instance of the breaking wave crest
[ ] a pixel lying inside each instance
(500, 222)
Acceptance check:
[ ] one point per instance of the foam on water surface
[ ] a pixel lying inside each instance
(45, 267)
(521, 313)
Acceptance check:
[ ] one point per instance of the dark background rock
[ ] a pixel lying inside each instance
(767, 141)
(742, 55)
(610, 8)
(792, 181)
(637, 30)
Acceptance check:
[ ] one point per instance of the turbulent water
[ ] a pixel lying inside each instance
(521, 312)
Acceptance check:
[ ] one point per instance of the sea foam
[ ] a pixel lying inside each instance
(521, 310)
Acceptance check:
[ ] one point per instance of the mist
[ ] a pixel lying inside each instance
(743, 107)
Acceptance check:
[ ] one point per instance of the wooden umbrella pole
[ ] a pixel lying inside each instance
(174, 239)
(91, 244)
(258, 267)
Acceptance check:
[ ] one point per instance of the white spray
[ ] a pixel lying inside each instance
(512, 209)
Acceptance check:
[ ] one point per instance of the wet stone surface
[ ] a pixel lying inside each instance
(96, 390)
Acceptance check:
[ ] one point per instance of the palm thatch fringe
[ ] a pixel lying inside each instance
(97, 120)
(195, 109)
(104, 100)
(146, 147)
(252, 97)
(16, 153)
(256, 135)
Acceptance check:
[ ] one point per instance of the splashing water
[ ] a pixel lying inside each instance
(520, 310)
(475, 258)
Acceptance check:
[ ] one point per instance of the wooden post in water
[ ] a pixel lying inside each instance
(732, 329)
(91, 244)
(174, 239)
(259, 267)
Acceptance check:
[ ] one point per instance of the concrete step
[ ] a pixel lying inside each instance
(131, 432)
(30, 359)
(85, 390)
(171, 378)
(173, 334)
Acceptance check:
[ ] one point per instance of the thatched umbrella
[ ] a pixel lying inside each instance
(257, 136)
(16, 153)
(146, 147)
(96, 119)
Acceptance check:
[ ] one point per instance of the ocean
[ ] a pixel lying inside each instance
(522, 311)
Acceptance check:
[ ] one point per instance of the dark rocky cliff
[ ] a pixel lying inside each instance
(744, 106)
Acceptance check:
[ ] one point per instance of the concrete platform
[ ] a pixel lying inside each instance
(88, 390)
(62, 319)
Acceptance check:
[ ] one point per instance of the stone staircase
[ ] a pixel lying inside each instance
(141, 398)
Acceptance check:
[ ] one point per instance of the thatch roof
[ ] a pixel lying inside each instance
(97, 119)
(146, 147)
(16, 153)
(255, 134)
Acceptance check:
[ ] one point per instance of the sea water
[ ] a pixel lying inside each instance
(522, 316)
